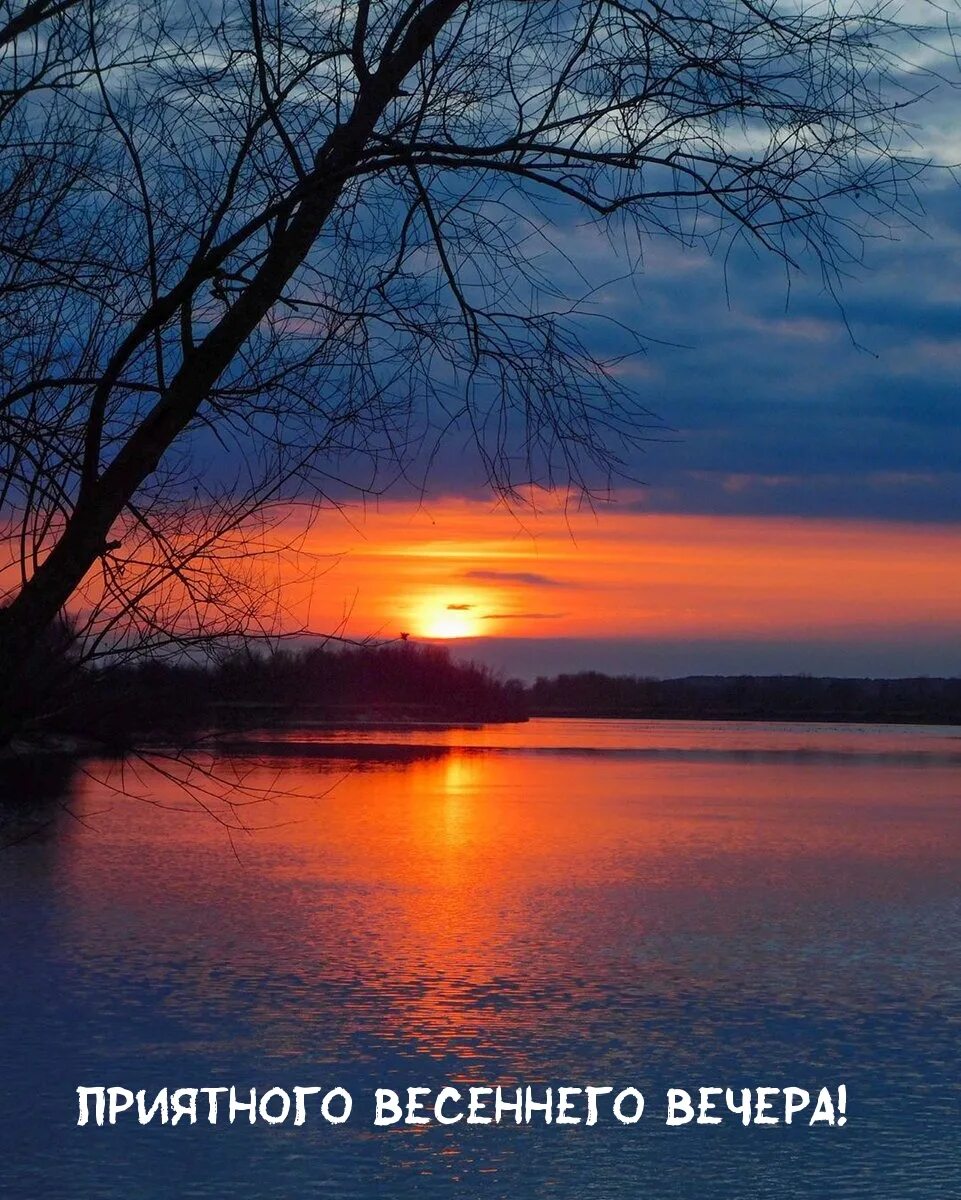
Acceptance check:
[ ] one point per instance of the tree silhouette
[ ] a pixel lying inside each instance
(247, 246)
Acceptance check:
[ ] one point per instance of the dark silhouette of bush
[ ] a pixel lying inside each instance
(375, 684)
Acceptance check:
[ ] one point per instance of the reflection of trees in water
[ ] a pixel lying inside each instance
(38, 792)
(360, 755)
(35, 796)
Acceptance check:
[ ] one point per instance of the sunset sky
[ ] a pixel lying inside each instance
(623, 589)
(800, 510)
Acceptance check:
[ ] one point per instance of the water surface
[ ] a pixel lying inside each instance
(652, 904)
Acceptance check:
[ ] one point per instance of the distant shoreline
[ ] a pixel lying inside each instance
(799, 699)
(740, 719)
(406, 686)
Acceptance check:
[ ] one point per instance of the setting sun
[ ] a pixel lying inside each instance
(447, 619)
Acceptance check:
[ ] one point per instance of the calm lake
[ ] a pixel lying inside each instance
(648, 904)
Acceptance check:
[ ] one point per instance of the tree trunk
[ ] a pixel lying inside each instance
(24, 622)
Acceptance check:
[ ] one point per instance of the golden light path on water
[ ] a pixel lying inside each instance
(467, 876)
(656, 904)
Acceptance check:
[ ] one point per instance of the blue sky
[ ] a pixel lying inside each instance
(779, 398)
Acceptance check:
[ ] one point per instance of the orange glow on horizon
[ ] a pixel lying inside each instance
(462, 569)
(459, 569)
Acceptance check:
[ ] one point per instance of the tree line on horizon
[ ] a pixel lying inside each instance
(329, 684)
(421, 683)
(921, 700)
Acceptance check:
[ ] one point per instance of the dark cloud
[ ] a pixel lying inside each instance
(530, 578)
(459, 607)
(783, 404)
(893, 495)
(527, 616)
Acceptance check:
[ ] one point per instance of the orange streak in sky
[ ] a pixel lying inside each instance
(467, 567)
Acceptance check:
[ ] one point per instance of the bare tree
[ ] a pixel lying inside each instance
(247, 245)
